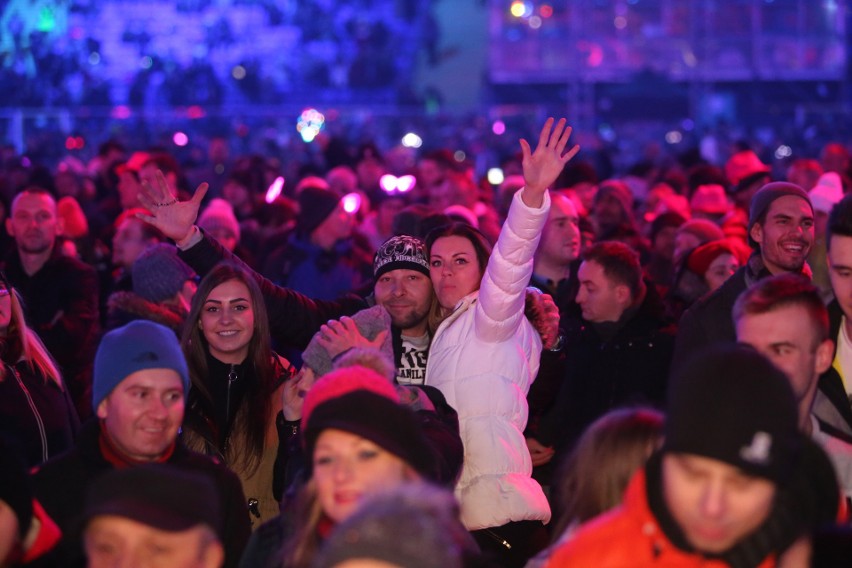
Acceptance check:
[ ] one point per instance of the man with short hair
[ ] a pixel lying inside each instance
(555, 267)
(784, 319)
(139, 391)
(781, 234)
(619, 350)
(60, 293)
(555, 261)
(734, 484)
(835, 384)
(157, 514)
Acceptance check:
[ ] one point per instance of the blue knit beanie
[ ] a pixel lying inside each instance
(139, 345)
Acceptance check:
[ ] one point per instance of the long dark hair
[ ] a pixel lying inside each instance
(252, 419)
(481, 247)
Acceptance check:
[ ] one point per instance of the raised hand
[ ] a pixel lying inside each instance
(293, 394)
(172, 217)
(543, 166)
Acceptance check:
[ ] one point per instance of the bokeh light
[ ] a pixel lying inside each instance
(411, 140)
(275, 189)
(783, 151)
(309, 124)
(674, 137)
(392, 184)
(351, 202)
(180, 139)
(495, 176)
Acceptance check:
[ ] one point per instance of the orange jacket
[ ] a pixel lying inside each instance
(629, 537)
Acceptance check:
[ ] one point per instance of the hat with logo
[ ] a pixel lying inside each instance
(139, 345)
(401, 252)
(731, 404)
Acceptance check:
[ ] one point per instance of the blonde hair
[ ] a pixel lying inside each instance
(24, 345)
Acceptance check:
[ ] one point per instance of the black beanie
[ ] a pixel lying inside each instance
(315, 205)
(376, 418)
(766, 195)
(731, 404)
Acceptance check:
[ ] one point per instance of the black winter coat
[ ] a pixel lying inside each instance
(631, 367)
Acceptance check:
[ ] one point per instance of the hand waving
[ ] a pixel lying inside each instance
(172, 217)
(543, 166)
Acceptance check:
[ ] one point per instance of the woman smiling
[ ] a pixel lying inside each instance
(236, 382)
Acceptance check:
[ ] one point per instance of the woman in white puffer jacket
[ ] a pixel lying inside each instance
(485, 354)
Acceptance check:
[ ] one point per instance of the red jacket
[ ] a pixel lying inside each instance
(629, 536)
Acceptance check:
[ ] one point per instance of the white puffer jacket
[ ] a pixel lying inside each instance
(483, 358)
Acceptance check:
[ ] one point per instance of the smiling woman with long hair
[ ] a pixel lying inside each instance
(236, 382)
(35, 407)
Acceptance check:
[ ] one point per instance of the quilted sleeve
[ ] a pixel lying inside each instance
(500, 307)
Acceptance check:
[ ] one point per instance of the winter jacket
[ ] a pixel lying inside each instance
(61, 303)
(603, 372)
(483, 358)
(643, 532)
(37, 412)
(60, 485)
(629, 535)
(831, 405)
(213, 433)
(709, 320)
(325, 274)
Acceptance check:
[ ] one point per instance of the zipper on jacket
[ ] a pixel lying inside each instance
(36, 414)
(232, 378)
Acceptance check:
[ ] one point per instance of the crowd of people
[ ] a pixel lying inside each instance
(560, 371)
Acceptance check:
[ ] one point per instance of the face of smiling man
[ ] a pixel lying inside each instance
(143, 413)
(786, 235)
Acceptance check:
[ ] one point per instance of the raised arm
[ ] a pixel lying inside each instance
(293, 317)
(501, 296)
